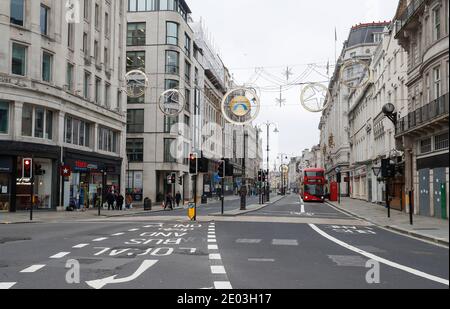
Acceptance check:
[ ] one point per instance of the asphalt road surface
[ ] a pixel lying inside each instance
(289, 244)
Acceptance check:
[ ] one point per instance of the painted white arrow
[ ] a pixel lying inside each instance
(100, 283)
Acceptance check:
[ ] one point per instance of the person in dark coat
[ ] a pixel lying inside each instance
(110, 198)
(120, 200)
(178, 198)
(169, 201)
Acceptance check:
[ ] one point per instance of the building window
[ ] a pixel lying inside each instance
(4, 117)
(96, 52)
(85, 44)
(37, 122)
(17, 12)
(437, 23)
(98, 83)
(171, 84)
(70, 35)
(87, 85)
(97, 16)
(169, 122)
(441, 142)
(172, 33)
(107, 140)
(135, 121)
(86, 9)
(425, 146)
(437, 82)
(187, 100)
(140, 100)
(44, 19)
(135, 150)
(168, 158)
(107, 95)
(77, 132)
(187, 45)
(136, 61)
(187, 72)
(47, 66)
(19, 56)
(106, 24)
(172, 62)
(136, 33)
(69, 76)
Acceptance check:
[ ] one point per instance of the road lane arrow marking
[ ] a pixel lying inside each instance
(100, 283)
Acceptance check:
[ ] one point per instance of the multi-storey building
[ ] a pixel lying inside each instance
(334, 124)
(371, 133)
(61, 81)
(160, 43)
(422, 30)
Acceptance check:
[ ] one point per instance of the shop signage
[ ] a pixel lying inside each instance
(85, 166)
(66, 171)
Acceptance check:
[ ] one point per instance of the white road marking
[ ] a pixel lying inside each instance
(215, 256)
(222, 285)
(213, 247)
(32, 269)
(211, 232)
(59, 255)
(379, 259)
(211, 236)
(100, 239)
(98, 284)
(80, 246)
(118, 234)
(248, 241)
(133, 230)
(212, 240)
(218, 270)
(302, 209)
(261, 260)
(285, 242)
(7, 285)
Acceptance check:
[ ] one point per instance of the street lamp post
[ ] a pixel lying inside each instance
(268, 124)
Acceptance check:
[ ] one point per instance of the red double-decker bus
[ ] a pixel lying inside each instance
(312, 185)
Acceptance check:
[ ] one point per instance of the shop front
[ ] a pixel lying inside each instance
(6, 171)
(17, 192)
(90, 177)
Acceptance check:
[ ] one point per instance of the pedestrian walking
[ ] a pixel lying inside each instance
(110, 199)
(178, 198)
(120, 199)
(169, 201)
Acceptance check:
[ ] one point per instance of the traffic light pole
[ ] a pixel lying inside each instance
(388, 202)
(222, 196)
(195, 197)
(32, 188)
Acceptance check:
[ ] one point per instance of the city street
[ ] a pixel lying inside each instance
(289, 244)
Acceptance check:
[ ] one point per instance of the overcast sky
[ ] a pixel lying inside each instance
(275, 34)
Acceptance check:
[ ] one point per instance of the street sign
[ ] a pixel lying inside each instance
(66, 171)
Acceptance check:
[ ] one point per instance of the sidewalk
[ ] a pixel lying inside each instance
(61, 216)
(431, 229)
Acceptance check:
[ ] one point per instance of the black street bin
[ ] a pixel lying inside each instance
(147, 204)
(204, 199)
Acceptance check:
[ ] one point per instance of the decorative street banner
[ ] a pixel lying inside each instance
(137, 83)
(241, 106)
(171, 102)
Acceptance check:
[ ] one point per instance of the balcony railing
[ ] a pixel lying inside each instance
(425, 114)
(410, 10)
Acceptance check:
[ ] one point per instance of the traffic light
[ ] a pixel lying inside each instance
(264, 176)
(221, 169)
(339, 177)
(193, 164)
(387, 169)
(260, 176)
(180, 181)
(174, 178)
(27, 168)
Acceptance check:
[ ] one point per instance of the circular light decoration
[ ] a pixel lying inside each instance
(241, 106)
(355, 74)
(137, 83)
(171, 102)
(314, 97)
